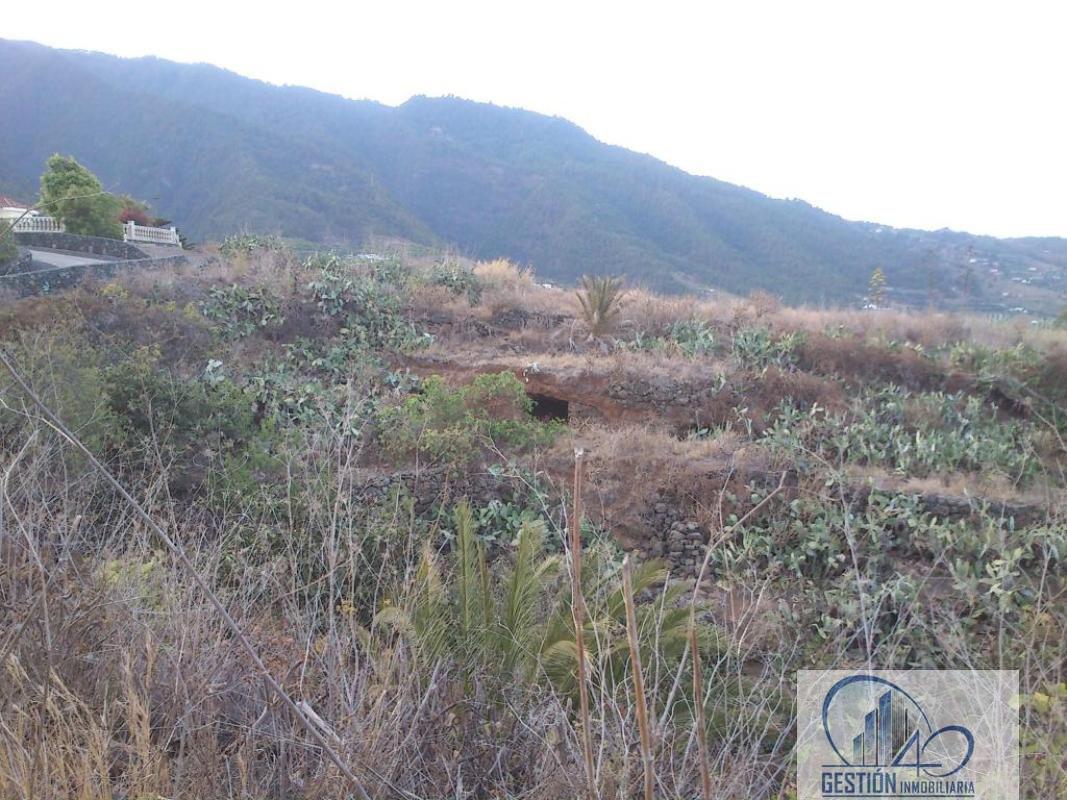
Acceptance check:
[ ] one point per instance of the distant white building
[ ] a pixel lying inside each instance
(11, 209)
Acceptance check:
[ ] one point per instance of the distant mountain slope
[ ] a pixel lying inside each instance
(222, 152)
(211, 171)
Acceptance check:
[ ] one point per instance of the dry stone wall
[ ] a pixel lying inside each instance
(675, 537)
(22, 263)
(43, 281)
(96, 245)
(430, 488)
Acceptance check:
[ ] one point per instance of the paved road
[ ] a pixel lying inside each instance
(54, 259)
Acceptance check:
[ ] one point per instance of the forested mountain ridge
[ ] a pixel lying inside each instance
(218, 152)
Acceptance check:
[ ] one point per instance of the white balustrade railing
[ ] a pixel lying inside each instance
(132, 232)
(39, 224)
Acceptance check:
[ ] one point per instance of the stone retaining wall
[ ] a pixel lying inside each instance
(43, 281)
(430, 488)
(112, 248)
(674, 534)
(661, 394)
(23, 263)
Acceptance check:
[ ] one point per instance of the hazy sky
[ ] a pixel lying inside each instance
(927, 114)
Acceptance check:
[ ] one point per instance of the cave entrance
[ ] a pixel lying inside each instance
(549, 409)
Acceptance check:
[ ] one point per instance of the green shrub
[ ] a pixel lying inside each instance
(240, 312)
(191, 420)
(758, 348)
(689, 337)
(68, 374)
(371, 302)
(694, 337)
(248, 243)
(497, 521)
(453, 426)
(391, 271)
(988, 363)
(1044, 740)
(844, 557)
(913, 434)
(9, 251)
(459, 280)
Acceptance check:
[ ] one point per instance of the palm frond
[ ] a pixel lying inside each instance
(522, 588)
(468, 572)
(600, 300)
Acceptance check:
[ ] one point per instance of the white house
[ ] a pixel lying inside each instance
(11, 209)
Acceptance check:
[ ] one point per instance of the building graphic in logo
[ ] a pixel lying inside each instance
(886, 729)
(907, 734)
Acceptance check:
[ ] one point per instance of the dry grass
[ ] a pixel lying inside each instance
(279, 273)
(930, 329)
(621, 488)
(659, 447)
(479, 354)
(863, 362)
(532, 300)
(502, 274)
(653, 313)
(119, 681)
(429, 301)
(981, 486)
(646, 311)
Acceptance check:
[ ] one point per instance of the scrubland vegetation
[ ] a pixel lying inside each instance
(352, 453)
(8, 251)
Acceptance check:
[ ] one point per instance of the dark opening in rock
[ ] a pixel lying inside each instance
(548, 408)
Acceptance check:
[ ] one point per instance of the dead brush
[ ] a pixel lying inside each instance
(137, 684)
(53, 743)
(434, 302)
(653, 314)
(170, 706)
(763, 303)
(532, 300)
(120, 680)
(503, 274)
(857, 359)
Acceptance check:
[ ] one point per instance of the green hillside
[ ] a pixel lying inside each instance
(220, 152)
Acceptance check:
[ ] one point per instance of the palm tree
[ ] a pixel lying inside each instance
(601, 302)
(662, 625)
(487, 620)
